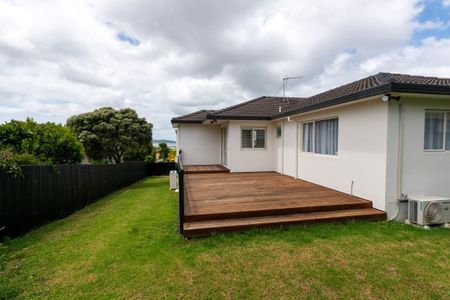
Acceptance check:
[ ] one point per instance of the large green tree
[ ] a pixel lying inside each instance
(116, 135)
(35, 143)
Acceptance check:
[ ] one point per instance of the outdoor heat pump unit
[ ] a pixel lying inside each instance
(426, 211)
(173, 179)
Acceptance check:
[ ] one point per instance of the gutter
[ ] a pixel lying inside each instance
(420, 88)
(185, 122)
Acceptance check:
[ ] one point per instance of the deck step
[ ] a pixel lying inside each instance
(205, 169)
(273, 210)
(204, 228)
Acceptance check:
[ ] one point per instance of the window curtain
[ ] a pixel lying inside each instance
(326, 137)
(307, 137)
(434, 131)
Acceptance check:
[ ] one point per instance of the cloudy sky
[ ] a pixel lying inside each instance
(165, 58)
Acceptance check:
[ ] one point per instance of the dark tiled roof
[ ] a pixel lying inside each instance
(266, 108)
(403, 78)
(195, 117)
(257, 109)
(370, 86)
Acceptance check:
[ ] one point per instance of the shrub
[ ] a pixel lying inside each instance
(8, 163)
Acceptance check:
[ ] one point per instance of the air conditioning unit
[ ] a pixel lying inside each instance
(173, 179)
(426, 211)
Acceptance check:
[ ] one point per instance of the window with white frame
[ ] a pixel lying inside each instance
(321, 137)
(253, 138)
(437, 131)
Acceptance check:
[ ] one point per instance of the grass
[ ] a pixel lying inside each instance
(126, 246)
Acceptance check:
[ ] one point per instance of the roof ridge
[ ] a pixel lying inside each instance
(193, 113)
(382, 77)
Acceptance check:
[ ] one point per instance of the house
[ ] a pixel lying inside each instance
(380, 138)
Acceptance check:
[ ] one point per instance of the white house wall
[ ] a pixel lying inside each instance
(250, 160)
(422, 173)
(200, 144)
(290, 148)
(361, 155)
(278, 150)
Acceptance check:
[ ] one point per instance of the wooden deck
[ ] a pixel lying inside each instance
(237, 201)
(205, 169)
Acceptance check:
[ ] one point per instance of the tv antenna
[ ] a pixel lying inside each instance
(285, 80)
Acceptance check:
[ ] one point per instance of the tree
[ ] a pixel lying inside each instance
(116, 135)
(164, 151)
(172, 155)
(34, 143)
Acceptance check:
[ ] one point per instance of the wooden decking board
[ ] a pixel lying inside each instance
(243, 213)
(239, 191)
(205, 169)
(222, 197)
(282, 218)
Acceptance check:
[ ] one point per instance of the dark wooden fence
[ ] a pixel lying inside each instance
(156, 169)
(46, 193)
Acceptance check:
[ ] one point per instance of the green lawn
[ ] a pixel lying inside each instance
(126, 246)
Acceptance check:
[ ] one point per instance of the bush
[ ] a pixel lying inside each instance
(8, 163)
(47, 143)
(27, 159)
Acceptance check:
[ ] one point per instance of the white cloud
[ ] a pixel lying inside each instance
(59, 58)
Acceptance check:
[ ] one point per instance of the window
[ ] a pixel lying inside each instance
(437, 131)
(278, 131)
(321, 137)
(253, 138)
(260, 138)
(308, 137)
(325, 137)
(247, 138)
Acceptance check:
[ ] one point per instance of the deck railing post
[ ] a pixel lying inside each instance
(180, 193)
(180, 200)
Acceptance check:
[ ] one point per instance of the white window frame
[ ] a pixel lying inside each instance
(444, 143)
(253, 129)
(313, 152)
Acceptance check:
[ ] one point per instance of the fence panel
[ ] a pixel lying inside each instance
(46, 193)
